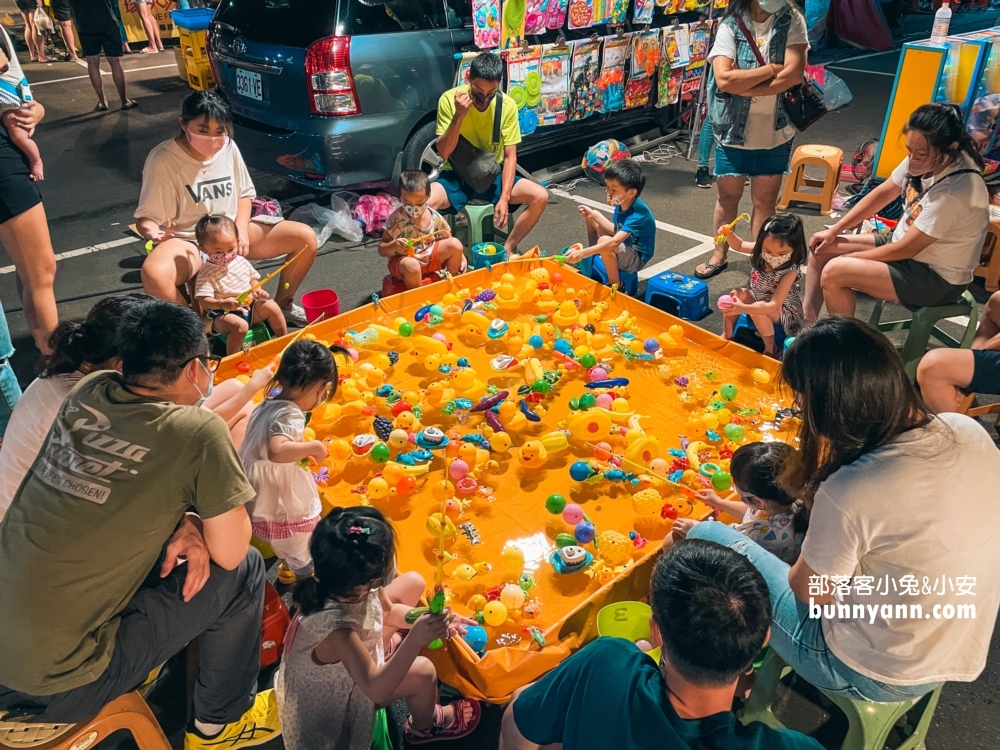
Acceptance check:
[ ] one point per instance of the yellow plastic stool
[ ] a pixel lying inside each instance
(827, 158)
(628, 620)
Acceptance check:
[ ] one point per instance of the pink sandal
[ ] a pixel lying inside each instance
(437, 732)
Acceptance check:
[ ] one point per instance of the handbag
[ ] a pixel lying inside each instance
(478, 168)
(804, 102)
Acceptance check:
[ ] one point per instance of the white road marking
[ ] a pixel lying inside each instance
(672, 229)
(84, 251)
(81, 62)
(103, 73)
(675, 260)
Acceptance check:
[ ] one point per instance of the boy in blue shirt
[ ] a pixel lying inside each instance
(625, 243)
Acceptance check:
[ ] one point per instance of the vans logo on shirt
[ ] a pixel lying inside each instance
(206, 190)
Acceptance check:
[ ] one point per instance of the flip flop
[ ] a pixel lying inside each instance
(713, 270)
(438, 733)
(130, 104)
(101, 107)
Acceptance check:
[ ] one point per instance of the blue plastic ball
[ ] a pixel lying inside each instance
(476, 637)
(584, 532)
(463, 362)
(651, 346)
(536, 341)
(563, 346)
(579, 471)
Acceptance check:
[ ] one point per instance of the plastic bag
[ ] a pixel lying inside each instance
(326, 222)
(373, 211)
(43, 23)
(836, 94)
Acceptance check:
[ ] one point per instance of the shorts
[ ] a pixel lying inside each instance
(629, 259)
(919, 285)
(17, 195)
(985, 372)
(432, 266)
(244, 313)
(459, 194)
(26, 6)
(744, 162)
(61, 10)
(883, 239)
(110, 41)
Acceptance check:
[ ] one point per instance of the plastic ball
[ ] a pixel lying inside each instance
(405, 329)
(605, 400)
(512, 557)
(728, 391)
(650, 346)
(722, 481)
(442, 490)
(572, 514)
(695, 427)
(597, 373)
(512, 596)
(495, 613)
(477, 603)
(760, 376)
(726, 301)
(243, 367)
(725, 416)
(476, 637)
(646, 502)
(541, 386)
(584, 532)
(735, 432)
(620, 406)
(660, 467)
(565, 540)
(643, 645)
(458, 469)
(452, 509)
(555, 277)
(500, 442)
(588, 401)
(710, 420)
(378, 488)
(339, 450)
(588, 360)
(406, 486)
(615, 547)
(555, 504)
(579, 471)
(602, 451)
(536, 341)
(398, 439)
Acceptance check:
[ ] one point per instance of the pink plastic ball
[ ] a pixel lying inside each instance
(353, 353)
(605, 400)
(458, 469)
(726, 301)
(440, 337)
(597, 373)
(572, 514)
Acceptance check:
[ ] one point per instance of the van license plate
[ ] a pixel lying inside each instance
(248, 84)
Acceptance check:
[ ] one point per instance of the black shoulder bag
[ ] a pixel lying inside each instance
(478, 168)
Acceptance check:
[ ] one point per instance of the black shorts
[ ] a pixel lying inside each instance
(61, 10)
(919, 285)
(985, 372)
(27, 6)
(110, 41)
(17, 192)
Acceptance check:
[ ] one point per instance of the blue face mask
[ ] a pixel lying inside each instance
(771, 6)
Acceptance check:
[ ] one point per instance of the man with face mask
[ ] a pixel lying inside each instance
(94, 589)
(465, 125)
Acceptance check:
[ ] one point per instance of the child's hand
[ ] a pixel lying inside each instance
(317, 449)
(430, 627)
(680, 528)
(576, 254)
(442, 234)
(229, 303)
(459, 624)
(586, 212)
(401, 246)
(261, 377)
(261, 294)
(709, 497)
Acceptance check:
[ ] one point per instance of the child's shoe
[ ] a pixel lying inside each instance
(258, 725)
(462, 725)
(286, 576)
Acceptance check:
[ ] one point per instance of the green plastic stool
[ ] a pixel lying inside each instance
(480, 227)
(923, 325)
(256, 334)
(868, 724)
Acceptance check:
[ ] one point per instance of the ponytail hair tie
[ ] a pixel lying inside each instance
(359, 530)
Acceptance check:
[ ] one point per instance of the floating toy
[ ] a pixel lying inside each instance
(477, 638)
(571, 559)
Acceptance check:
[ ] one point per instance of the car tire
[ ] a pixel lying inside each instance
(419, 153)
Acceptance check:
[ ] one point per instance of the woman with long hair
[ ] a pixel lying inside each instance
(896, 537)
(929, 258)
(759, 53)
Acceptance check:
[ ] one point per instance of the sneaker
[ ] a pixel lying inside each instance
(702, 178)
(258, 725)
(295, 315)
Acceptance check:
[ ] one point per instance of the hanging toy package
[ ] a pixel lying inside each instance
(644, 11)
(611, 82)
(698, 40)
(602, 11)
(676, 52)
(512, 23)
(486, 23)
(524, 84)
(585, 97)
(645, 59)
(464, 64)
(535, 17)
(581, 14)
(555, 16)
(556, 61)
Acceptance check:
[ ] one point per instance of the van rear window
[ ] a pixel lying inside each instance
(299, 23)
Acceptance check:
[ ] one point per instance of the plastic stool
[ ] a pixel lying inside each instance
(128, 712)
(258, 333)
(629, 279)
(480, 227)
(923, 325)
(868, 723)
(745, 332)
(967, 407)
(680, 295)
(392, 285)
(989, 263)
(827, 158)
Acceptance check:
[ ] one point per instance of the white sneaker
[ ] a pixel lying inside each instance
(295, 315)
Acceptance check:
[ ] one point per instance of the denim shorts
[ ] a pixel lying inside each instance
(746, 162)
(459, 194)
(10, 391)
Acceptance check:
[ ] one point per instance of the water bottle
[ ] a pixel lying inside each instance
(942, 20)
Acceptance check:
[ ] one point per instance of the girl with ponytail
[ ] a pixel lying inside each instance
(337, 670)
(929, 258)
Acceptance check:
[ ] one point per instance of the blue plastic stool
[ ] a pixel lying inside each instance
(629, 279)
(745, 332)
(680, 295)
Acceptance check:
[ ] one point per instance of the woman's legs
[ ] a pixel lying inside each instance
(26, 239)
(942, 375)
(727, 204)
(151, 26)
(988, 332)
(269, 241)
(236, 423)
(764, 194)
(813, 301)
(10, 391)
(171, 265)
(35, 44)
(845, 275)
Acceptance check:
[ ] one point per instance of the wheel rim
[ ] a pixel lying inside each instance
(430, 160)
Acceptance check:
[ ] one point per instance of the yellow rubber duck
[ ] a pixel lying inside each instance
(437, 395)
(546, 301)
(581, 337)
(532, 455)
(467, 385)
(474, 323)
(373, 376)
(349, 390)
(510, 417)
(529, 291)
(407, 420)
(568, 314)
(547, 331)
(507, 298)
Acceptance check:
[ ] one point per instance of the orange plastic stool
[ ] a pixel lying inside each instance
(827, 158)
(989, 263)
(128, 712)
(392, 285)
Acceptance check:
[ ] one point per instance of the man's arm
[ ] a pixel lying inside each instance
(448, 140)
(501, 209)
(228, 537)
(511, 737)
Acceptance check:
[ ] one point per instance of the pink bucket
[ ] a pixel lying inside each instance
(320, 301)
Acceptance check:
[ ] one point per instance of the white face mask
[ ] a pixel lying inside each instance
(771, 6)
(777, 261)
(204, 396)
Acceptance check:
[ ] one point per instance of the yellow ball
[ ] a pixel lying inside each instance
(725, 416)
(432, 361)
(760, 376)
(449, 358)
(382, 362)
(695, 426)
(477, 603)
(512, 596)
(647, 502)
(635, 346)
(619, 405)
(442, 490)
(615, 547)
(495, 613)
(339, 450)
(392, 472)
(581, 351)
(512, 558)
(710, 420)
(378, 488)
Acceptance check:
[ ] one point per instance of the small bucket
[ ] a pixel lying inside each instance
(487, 254)
(320, 301)
(628, 620)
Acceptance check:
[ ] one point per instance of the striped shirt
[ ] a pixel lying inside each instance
(231, 280)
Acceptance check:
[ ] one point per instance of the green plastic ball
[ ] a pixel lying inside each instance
(380, 453)
(735, 432)
(574, 404)
(722, 481)
(555, 503)
(541, 386)
(588, 361)
(728, 391)
(588, 401)
(405, 329)
(716, 405)
(565, 540)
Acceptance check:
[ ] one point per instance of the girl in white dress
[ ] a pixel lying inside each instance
(335, 672)
(287, 507)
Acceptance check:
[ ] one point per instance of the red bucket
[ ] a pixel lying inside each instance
(320, 301)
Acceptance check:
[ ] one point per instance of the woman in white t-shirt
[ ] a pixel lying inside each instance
(930, 256)
(877, 605)
(201, 172)
(752, 131)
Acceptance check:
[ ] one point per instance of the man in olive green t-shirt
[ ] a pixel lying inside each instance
(93, 595)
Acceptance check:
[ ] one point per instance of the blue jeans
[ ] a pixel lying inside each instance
(706, 142)
(798, 638)
(10, 391)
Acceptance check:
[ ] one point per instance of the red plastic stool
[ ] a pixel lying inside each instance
(391, 285)
(274, 623)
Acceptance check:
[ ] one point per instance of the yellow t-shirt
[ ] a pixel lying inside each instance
(477, 127)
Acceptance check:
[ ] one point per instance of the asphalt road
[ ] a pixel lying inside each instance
(93, 166)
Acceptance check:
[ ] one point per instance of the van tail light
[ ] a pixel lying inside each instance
(211, 57)
(329, 79)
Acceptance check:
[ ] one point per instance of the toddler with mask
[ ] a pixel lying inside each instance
(417, 240)
(774, 295)
(223, 277)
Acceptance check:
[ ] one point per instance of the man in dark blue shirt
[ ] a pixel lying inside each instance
(711, 615)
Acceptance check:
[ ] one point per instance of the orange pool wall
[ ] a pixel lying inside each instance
(566, 605)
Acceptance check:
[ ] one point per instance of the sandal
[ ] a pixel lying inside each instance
(713, 270)
(130, 104)
(437, 732)
(101, 107)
